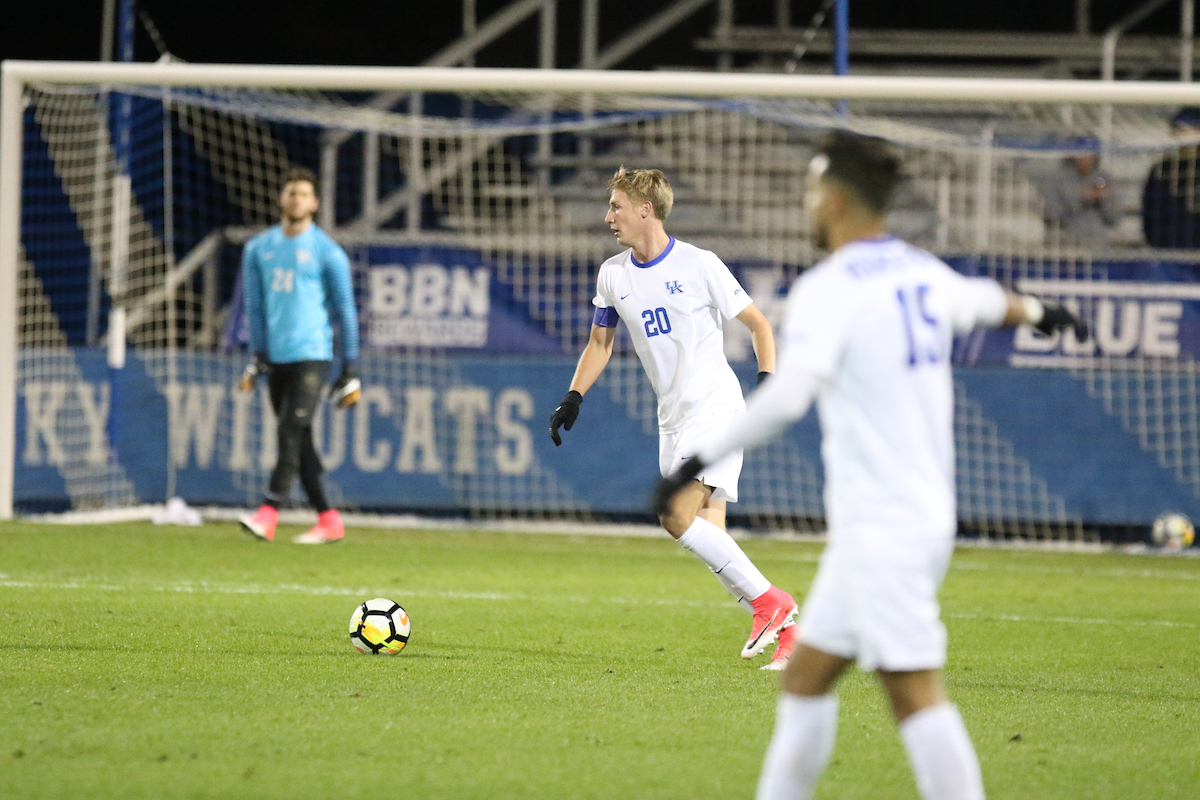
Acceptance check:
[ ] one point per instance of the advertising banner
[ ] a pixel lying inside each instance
(1137, 310)
(428, 297)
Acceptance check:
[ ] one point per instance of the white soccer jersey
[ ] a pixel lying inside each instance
(875, 323)
(675, 307)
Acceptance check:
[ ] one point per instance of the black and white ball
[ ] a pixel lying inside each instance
(380, 627)
(1173, 531)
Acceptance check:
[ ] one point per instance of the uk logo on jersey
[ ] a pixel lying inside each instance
(674, 288)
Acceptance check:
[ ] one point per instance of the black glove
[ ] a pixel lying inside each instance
(347, 389)
(259, 366)
(669, 486)
(565, 415)
(1055, 317)
(762, 376)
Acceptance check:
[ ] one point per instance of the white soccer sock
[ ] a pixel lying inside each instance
(805, 729)
(721, 553)
(941, 754)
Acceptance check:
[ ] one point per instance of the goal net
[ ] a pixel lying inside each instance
(474, 222)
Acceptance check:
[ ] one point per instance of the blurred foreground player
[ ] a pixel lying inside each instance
(868, 334)
(293, 276)
(674, 298)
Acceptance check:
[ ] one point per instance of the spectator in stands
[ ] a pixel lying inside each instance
(1080, 197)
(1170, 212)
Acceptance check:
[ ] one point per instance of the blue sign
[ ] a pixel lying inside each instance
(1135, 311)
(463, 431)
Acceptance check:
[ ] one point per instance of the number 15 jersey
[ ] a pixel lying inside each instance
(675, 307)
(875, 323)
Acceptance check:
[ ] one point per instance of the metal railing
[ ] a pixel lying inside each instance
(1108, 60)
(475, 36)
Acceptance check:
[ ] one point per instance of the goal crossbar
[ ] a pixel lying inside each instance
(700, 84)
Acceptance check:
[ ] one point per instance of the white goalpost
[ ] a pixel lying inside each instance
(654, 83)
(497, 173)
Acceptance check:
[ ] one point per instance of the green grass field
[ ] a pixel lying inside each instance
(138, 661)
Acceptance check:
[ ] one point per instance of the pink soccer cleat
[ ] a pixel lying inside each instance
(772, 611)
(329, 528)
(262, 524)
(789, 637)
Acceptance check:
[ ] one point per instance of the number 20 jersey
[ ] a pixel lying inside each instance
(875, 323)
(675, 307)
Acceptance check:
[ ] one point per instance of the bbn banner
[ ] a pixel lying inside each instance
(428, 297)
(442, 297)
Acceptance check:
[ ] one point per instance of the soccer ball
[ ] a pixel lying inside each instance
(1173, 531)
(379, 627)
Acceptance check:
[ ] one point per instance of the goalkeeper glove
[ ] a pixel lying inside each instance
(565, 415)
(259, 366)
(669, 486)
(1053, 317)
(347, 390)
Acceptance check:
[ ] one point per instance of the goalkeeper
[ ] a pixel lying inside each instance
(294, 279)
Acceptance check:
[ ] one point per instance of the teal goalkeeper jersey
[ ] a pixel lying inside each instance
(294, 287)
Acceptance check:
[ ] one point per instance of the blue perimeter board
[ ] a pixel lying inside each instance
(1071, 444)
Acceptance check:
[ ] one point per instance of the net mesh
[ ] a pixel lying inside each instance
(997, 189)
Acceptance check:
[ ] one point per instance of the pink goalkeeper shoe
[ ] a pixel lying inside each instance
(772, 611)
(329, 528)
(789, 637)
(262, 524)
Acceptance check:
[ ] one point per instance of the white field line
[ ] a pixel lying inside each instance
(1087, 570)
(1136, 623)
(204, 587)
(1100, 572)
(218, 514)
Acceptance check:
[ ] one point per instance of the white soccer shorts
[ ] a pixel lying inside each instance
(676, 448)
(874, 599)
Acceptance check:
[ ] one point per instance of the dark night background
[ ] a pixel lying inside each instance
(405, 33)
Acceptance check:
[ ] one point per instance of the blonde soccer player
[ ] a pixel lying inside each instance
(868, 334)
(674, 299)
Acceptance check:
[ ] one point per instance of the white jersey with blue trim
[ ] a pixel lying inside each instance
(874, 323)
(675, 307)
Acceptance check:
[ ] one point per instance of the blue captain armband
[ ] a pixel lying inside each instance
(606, 317)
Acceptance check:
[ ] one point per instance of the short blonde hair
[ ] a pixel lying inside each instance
(645, 185)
